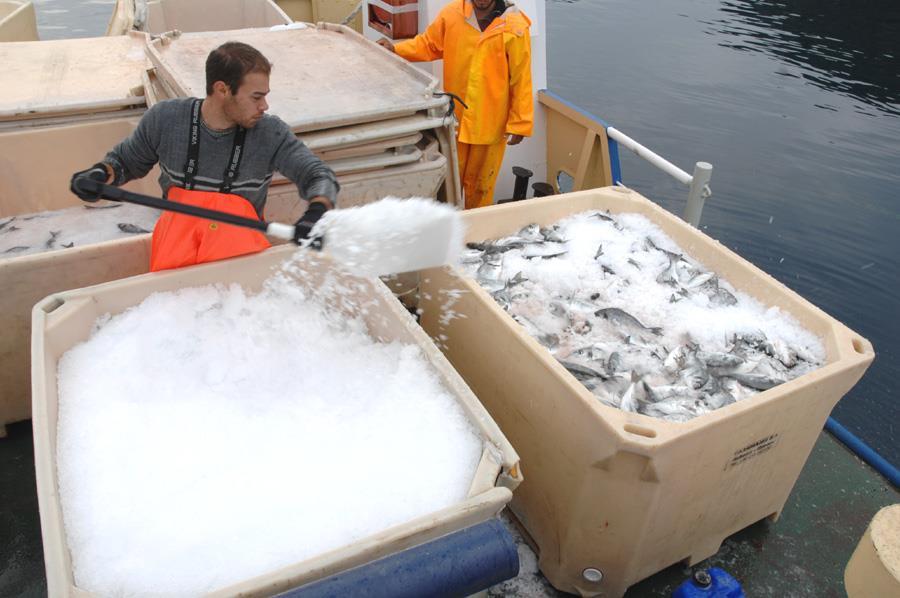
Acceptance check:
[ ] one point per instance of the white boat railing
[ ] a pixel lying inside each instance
(698, 183)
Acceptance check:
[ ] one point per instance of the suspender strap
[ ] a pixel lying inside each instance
(234, 162)
(192, 164)
(193, 155)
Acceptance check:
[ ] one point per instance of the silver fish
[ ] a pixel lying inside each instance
(109, 207)
(544, 251)
(498, 246)
(677, 357)
(131, 229)
(718, 399)
(699, 280)
(491, 268)
(718, 296)
(519, 278)
(531, 233)
(633, 395)
(657, 394)
(756, 381)
(583, 371)
(552, 235)
(614, 363)
(52, 240)
(622, 317)
(606, 217)
(782, 352)
(694, 372)
(719, 359)
(673, 409)
(471, 256)
(649, 244)
(670, 274)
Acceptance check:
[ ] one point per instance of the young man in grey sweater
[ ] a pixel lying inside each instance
(219, 153)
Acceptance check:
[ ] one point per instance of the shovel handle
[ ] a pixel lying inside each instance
(282, 231)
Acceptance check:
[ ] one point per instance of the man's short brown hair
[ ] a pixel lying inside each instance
(231, 62)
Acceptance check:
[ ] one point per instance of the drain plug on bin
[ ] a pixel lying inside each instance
(592, 575)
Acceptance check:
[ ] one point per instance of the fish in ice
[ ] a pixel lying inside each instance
(650, 245)
(626, 363)
(719, 359)
(52, 240)
(552, 235)
(756, 381)
(498, 246)
(633, 395)
(88, 206)
(620, 317)
(543, 250)
(582, 370)
(607, 218)
(531, 234)
(471, 256)
(131, 229)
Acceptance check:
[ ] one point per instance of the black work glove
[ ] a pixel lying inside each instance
(306, 223)
(97, 172)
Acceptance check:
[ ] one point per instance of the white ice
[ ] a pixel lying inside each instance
(207, 436)
(392, 235)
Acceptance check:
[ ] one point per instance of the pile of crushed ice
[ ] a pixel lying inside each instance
(392, 235)
(641, 324)
(208, 435)
(73, 227)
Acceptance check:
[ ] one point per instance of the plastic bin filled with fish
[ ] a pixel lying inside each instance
(73, 227)
(645, 327)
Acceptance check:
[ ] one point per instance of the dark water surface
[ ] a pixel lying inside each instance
(61, 19)
(796, 103)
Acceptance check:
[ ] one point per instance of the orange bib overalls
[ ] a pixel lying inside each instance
(182, 240)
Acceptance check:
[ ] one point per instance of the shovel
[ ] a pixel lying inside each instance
(386, 237)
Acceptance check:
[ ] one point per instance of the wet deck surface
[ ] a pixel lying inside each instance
(802, 554)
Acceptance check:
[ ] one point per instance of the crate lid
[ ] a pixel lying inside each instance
(323, 76)
(71, 76)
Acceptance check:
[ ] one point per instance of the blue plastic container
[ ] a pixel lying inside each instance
(710, 583)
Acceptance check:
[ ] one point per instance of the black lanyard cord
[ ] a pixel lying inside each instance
(192, 165)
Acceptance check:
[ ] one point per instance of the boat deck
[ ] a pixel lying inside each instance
(802, 554)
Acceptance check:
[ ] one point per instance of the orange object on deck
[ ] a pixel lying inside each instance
(180, 240)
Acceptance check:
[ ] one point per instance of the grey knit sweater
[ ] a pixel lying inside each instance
(162, 136)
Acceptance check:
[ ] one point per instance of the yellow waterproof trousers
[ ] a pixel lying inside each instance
(479, 166)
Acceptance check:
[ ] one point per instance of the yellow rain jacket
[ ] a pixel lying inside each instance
(490, 70)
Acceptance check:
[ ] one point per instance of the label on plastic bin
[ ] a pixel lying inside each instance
(753, 449)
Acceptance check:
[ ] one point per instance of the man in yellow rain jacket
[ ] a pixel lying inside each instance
(486, 50)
